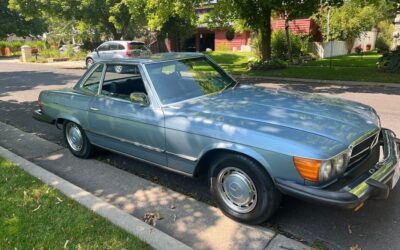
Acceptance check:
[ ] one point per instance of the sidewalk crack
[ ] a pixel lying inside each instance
(269, 242)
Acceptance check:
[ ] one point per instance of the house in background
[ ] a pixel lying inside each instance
(223, 39)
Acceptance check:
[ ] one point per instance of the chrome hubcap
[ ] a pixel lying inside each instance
(74, 137)
(237, 190)
(89, 63)
(118, 69)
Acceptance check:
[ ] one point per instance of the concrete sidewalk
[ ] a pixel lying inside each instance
(61, 65)
(194, 223)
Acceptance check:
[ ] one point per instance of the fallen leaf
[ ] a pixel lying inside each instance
(356, 247)
(173, 206)
(34, 210)
(349, 229)
(151, 218)
(66, 243)
(59, 200)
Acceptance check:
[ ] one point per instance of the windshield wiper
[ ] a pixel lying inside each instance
(235, 83)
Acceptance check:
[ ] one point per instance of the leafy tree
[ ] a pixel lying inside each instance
(11, 22)
(352, 18)
(256, 15)
(111, 16)
(175, 19)
(292, 9)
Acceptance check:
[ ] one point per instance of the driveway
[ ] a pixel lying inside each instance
(375, 226)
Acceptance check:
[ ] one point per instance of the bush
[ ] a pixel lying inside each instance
(280, 47)
(385, 36)
(381, 45)
(49, 53)
(256, 64)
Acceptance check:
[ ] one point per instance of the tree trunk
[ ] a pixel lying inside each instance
(288, 41)
(349, 43)
(265, 37)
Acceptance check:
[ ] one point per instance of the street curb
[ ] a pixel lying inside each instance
(317, 81)
(135, 226)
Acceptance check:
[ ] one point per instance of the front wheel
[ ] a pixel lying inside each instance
(243, 189)
(76, 140)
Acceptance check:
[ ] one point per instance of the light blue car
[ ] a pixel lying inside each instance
(182, 112)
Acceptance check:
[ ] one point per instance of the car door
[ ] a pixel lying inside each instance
(103, 51)
(113, 50)
(118, 124)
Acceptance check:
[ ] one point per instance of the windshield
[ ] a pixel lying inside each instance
(180, 80)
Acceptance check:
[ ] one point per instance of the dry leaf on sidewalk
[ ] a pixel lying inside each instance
(349, 229)
(151, 218)
(173, 206)
(356, 247)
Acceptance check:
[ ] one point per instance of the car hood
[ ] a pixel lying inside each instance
(336, 119)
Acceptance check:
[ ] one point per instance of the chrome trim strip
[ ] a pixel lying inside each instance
(186, 157)
(365, 137)
(146, 161)
(353, 156)
(374, 142)
(130, 142)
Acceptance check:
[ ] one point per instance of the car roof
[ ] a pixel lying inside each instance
(123, 41)
(155, 58)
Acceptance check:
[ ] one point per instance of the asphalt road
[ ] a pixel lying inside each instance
(375, 226)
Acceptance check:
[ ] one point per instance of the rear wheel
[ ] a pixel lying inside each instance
(76, 140)
(243, 189)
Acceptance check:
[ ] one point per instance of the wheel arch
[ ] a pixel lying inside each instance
(214, 151)
(63, 118)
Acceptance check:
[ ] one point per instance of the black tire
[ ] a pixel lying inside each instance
(89, 62)
(268, 197)
(86, 150)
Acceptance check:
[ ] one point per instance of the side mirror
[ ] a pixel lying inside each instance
(139, 98)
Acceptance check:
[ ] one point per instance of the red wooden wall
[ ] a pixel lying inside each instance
(238, 40)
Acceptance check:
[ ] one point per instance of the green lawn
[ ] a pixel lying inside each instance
(36, 216)
(347, 68)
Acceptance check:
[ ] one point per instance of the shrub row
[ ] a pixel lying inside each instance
(16, 45)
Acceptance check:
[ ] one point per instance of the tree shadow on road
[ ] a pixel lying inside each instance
(11, 82)
(320, 88)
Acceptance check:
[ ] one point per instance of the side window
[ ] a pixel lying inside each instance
(91, 84)
(121, 47)
(104, 47)
(113, 46)
(122, 80)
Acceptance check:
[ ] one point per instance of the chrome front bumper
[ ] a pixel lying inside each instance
(374, 183)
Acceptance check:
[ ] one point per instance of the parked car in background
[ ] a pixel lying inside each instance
(117, 49)
(182, 112)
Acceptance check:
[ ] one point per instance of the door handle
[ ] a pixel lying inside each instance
(94, 109)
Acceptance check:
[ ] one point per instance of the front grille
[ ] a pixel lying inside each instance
(362, 149)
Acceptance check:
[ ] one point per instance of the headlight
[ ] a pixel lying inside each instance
(339, 163)
(322, 170)
(326, 171)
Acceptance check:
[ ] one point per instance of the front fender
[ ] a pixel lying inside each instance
(245, 150)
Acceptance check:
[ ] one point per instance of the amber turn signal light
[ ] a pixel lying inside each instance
(308, 168)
